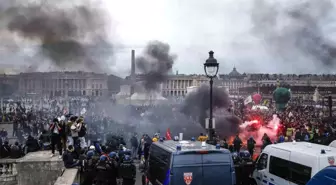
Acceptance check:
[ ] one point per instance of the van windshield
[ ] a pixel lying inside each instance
(197, 158)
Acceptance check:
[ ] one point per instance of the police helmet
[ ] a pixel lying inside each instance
(103, 158)
(92, 147)
(90, 154)
(127, 158)
(112, 154)
(244, 154)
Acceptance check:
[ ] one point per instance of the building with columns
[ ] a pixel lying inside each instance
(177, 85)
(54, 84)
(232, 81)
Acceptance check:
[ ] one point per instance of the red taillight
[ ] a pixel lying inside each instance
(203, 152)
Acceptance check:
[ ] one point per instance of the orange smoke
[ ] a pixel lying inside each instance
(241, 136)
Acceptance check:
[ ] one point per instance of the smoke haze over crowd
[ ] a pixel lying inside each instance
(297, 31)
(68, 35)
(261, 36)
(155, 64)
(196, 105)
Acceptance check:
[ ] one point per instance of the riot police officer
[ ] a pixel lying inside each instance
(102, 171)
(127, 171)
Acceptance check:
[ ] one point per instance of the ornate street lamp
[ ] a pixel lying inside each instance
(211, 69)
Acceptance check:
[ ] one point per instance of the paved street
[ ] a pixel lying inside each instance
(138, 176)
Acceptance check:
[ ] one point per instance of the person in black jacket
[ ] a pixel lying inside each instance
(102, 171)
(15, 151)
(63, 132)
(5, 150)
(135, 144)
(56, 132)
(31, 145)
(68, 158)
(127, 171)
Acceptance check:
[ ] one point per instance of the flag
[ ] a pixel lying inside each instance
(248, 100)
(316, 96)
(168, 136)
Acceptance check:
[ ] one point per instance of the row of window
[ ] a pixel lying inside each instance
(73, 93)
(62, 83)
(291, 171)
(178, 83)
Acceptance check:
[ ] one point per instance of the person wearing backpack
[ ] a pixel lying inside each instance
(251, 145)
(56, 132)
(75, 128)
(82, 132)
(15, 151)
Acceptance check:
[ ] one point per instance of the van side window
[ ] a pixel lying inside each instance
(279, 167)
(300, 174)
(217, 158)
(187, 159)
(262, 161)
(159, 163)
(291, 171)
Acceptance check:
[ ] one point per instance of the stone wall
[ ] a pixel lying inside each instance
(8, 173)
(69, 177)
(38, 168)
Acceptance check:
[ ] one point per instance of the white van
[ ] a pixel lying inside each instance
(292, 163)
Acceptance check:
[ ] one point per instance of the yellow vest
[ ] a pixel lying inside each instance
(311, 133)
(289, 132)
(202, 138)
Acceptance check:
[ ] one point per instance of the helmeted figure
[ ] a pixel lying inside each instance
(127, 171)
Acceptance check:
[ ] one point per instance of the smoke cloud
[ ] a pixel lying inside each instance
(69, 35)
(196, 105)
(297, 31)
(155, 64)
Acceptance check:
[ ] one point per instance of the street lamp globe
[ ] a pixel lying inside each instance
(211, 66)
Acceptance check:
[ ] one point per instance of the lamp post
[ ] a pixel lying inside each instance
(211, 69)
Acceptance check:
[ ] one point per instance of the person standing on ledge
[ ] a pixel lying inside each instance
(56, 132)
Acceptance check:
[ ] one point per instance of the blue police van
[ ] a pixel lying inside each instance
(325, 176)
(189, 162)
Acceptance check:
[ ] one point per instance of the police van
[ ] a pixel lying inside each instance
(292, 163)
(325, 176)
(189, 162)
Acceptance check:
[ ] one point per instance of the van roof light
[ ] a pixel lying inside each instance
(203, 144)
(193, 139)
(178, 147)
(217, 146)
(161, 139)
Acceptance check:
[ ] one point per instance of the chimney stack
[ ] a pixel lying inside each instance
(133, 64)
(132, 72)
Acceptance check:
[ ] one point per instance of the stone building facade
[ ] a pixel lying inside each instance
(54, 84)
(232, 81)
(177, 85)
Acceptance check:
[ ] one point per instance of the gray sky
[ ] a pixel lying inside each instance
(193, 27)
(253, 35)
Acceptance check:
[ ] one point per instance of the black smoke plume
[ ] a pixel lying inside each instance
(197, 105)
(70, 36)
(297, 31)
(155, 64)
